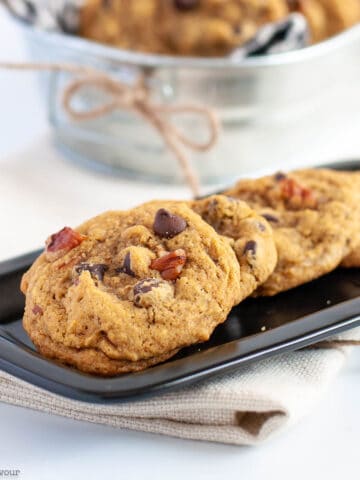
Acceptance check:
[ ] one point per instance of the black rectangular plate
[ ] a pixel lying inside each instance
(255, 329)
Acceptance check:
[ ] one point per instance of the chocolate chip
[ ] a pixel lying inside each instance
(96, 269)
(168, 225)
(186, 4)
(270, 218)
(293, 4)
(213, 203)
(237, 29)
(279, 176)
(251, 246)
(126, 268)
(146, 285)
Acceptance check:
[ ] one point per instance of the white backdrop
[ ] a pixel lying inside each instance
(44, 448)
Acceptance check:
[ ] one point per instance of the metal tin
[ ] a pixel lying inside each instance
(276, 110)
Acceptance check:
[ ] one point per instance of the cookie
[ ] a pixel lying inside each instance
(353, 259)
(352, 181)
(204, 27)
(312, 214)
(128, 289)
(250, 234)
(178, 27)
(328, 17)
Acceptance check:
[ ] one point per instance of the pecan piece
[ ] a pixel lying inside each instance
(62, 242)
(37, 310)
(186, 4)
(270, 218)
(170, 265)
(296, 194)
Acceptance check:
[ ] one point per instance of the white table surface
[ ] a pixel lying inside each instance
(324, 445)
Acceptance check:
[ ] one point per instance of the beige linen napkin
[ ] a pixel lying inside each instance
(244, 407)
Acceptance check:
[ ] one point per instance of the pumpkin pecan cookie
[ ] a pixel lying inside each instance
(249, 234)
(336, 181)
(327, 17)
(353, 259)
(204, 27)
(128, 289)
(313, 214)
(178, 27)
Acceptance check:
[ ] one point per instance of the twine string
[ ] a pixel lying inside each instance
(134, 98)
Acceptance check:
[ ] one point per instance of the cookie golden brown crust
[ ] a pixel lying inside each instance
(91, 360)
(314, 218)
(129, 289)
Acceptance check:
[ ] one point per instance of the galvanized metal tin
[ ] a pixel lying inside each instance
(286, 109)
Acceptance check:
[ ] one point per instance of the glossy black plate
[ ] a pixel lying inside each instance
(256, 329)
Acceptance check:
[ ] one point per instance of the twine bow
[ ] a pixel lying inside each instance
(134, 98)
